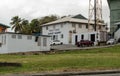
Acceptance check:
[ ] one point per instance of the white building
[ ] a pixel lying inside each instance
(68, 30)
(13, 43)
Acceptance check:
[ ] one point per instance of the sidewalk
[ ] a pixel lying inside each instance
(74, 47)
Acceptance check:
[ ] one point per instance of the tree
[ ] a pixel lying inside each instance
(47, 19)
(26, 29)
(35, 26)
(23, 26)
(16, 24)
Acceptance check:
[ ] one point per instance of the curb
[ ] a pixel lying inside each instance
(80, 73)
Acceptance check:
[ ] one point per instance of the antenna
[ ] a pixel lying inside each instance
(95, 13)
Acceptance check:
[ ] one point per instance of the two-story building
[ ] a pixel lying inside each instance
(69, 30)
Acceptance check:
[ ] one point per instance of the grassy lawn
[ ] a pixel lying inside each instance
(76, 60)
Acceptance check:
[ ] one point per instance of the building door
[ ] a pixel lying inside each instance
(82, 37)
(76, 39)
(92, 37)
(70, 38)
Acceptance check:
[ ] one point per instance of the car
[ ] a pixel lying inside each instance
(85, 43)
(111, 41)
(56, 42)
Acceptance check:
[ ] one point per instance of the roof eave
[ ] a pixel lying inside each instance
(4, 25)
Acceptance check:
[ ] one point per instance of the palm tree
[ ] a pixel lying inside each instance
(23, 26)
(16, 24)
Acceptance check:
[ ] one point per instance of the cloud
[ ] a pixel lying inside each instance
(30, 9)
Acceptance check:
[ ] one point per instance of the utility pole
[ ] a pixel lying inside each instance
(95, 13)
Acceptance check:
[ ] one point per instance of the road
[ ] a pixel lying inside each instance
(108, 74)
(116, 74)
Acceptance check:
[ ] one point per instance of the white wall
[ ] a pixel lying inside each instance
(3, 47)
(67, 27)
(14, 45)
(64, 29)
(86, 36)
(58, 30)
(42, 47)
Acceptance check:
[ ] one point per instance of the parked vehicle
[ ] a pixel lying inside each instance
(57, 42)
(118, 40)
(111, 41)
(85, 43)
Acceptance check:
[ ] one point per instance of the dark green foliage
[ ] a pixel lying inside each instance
(16, 24)
(24, 26)
(47, 19)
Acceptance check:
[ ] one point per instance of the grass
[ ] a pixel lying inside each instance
(76, 60)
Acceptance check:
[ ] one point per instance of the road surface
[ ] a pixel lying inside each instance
(116, 74)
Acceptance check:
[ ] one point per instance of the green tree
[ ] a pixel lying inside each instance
(26, 29)
(16, 24)
(35, 26)
(47, 19)
(23, 26)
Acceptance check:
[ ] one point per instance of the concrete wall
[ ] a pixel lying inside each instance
(13, 45)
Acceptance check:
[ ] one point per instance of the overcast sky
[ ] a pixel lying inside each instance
(30, 9)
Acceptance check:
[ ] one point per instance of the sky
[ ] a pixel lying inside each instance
(30, 9)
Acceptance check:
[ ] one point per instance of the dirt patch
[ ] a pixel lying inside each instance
(6, 64)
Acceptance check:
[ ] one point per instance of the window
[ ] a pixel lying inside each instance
(46, 27)
(62, 36)
(54, 26)
(80, 26)
(86, 26)
(99, 27)
(51, 38)
(2, 39)
(39, 41)
(3, 30)
(0, 44)
(36, 38)
(5, 39)
(62, 25)
(73, 25)
(82, 37)
(29, 37)
(19, 36)
(44, 41)
(55, 37)
(14, 36)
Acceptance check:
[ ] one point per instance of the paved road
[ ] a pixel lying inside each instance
(111, 74)
(117, 74)
(92, 73)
